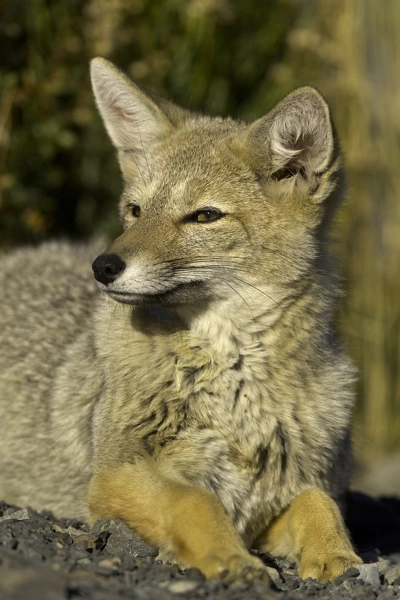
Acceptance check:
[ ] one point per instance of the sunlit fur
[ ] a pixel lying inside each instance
(203, 397)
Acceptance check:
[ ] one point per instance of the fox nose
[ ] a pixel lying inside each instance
(107, 267)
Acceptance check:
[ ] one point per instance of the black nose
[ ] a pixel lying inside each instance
(107, 267)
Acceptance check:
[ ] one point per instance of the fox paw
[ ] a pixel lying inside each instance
(329, 565)
(166, 556)
(246, 568)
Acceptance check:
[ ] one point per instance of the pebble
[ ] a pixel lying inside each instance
(182, 587)
(56, 559)
(122, 539)
(392, 575)
(369, 573)
(18, 515)
(110, 563)
(384, 566)
(352, 572)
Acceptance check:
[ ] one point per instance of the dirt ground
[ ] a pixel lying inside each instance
(42, 558)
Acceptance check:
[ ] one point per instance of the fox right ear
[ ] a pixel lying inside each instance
(132, 119)
(296, 140)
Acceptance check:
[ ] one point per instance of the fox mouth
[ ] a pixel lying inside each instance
(182, 293)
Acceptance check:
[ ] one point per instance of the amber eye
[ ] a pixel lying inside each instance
(135, 210)
(206, 215)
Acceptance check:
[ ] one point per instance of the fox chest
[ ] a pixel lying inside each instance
(227, 432)
(233, 403)
(240, 404)
(235, 442)
(232, 430)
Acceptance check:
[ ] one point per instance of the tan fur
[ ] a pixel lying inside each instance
(203, 398)
(311, 531)
(185, 522)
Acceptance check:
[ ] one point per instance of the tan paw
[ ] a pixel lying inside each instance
(247, 568)
(329, 565)
(166, 556)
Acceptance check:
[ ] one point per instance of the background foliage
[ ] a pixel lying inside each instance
(58, 174)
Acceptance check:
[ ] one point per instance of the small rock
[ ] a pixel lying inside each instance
(313, 584)
(392, 576)
(352, 572)
(110, 563)
(292, 582)
(386, 595)
(74, 531)
(85, 561)
(182, 587)
(18, 515)
(383, 566)
(369, 573)
(122, 539)
(194, 574)
(276, 578)
(348, 585)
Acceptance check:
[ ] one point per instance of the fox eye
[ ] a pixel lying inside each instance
(135, 210)
(205, 215)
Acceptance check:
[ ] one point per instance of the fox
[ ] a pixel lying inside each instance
(195, 387)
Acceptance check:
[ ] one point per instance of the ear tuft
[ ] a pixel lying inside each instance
(301, 132)
(295, 137)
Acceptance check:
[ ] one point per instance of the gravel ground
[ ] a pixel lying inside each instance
(42, 558)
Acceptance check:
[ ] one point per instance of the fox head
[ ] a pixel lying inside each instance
(212, 207)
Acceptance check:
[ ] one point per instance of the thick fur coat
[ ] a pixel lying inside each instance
(203, 397)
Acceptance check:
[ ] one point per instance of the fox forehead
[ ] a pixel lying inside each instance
(204, 170)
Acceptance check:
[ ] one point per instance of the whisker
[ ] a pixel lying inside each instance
(240, 295)
(258, 290)
(228, 262)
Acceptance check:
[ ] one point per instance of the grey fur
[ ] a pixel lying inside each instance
(231, 377)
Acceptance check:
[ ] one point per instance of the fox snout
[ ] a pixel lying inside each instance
(107, 267)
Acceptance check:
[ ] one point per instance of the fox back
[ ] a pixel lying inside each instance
(210, 348)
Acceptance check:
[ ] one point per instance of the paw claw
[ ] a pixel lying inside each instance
(247, 569)
(329, 566)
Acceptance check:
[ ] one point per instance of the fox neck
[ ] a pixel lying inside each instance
(267, 318)
(262, 318)
(223, 322)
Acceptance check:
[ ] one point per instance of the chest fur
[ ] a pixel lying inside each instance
(265, 417)
(239, 422)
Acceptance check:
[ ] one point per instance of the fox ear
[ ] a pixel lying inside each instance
(133, 120)
(295, 137)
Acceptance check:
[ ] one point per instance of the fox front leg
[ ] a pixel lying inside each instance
(188, 522)
(312, 530)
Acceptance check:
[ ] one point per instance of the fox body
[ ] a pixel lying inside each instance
(203, 398)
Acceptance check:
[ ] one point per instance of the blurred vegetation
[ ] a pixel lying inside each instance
(59, 176)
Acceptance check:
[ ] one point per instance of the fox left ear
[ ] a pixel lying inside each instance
(296, 137)
(134, 120)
